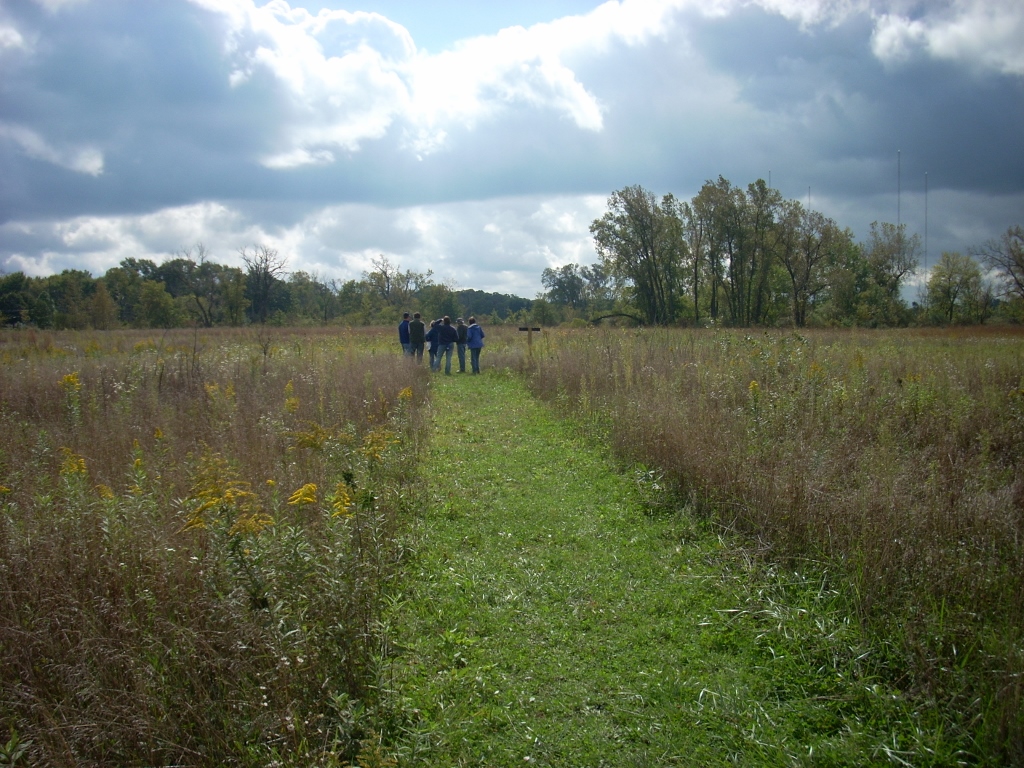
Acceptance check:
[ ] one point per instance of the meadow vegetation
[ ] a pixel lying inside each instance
(197, 534)
(893, 462)
(206, 538)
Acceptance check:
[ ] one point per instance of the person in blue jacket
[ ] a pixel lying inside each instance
(447, 338)
(475, 342)
(403, 335)
(431, 339)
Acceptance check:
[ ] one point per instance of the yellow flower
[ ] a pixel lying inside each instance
(73, 464)
(4, 489)
(71, 382)
(158, 434)
(254, 523)
(405, 394)
(271, 482)
(754, 387)
(104, 491)
(341, 501)
(305, 495)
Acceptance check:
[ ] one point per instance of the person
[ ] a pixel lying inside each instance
(431, 338)
(403, 335)
(447, 337)
(416, 337)
(475, 342)
(461, 327)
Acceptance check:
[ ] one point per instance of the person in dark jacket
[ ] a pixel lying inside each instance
(431, 338)
(403, 335)
(447, 337)
(475, 342)
(417, 334)
(461, 327)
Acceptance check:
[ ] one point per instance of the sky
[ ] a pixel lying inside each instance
(480, 140)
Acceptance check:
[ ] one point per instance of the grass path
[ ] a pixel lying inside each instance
(549, 621)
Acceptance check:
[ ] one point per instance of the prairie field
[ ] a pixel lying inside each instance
(201, 533)
(196, 537)
(892, 461)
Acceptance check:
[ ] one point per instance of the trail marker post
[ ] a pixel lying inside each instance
(529, 338)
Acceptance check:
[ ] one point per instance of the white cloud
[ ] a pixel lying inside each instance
(83, 159)
(984, 33)
(11, 38)
(500, 245)
(350, 77)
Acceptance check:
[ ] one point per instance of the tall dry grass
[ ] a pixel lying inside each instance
(197, 533)
(893, 459)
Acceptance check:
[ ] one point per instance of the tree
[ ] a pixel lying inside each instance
(565, 285)
(808, 244)
(235, 302)
(156, 306)
(1005, 257)
(640, 243)
(954, 289)
(891, 256)
(263, 266)
(395, 287)
(102, 310)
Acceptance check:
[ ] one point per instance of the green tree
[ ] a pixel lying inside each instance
(69, 294)
(809, 244)
(954, 289)
(102, 309)
(156, 306)
(890, 256)
(565, 285)
(640, 243)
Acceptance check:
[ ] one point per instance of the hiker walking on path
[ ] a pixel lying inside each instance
(475, 342)
(461, 327)
(432, 341)
(447, 337)
(416, 337)
(403, 335)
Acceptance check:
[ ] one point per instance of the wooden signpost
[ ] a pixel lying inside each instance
(529, 338)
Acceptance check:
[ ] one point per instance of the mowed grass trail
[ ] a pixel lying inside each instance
(551, 618)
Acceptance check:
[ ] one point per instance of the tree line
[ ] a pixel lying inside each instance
(745, 257)
(192, 289)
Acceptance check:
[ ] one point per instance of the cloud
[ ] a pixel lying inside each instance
(348, 78)
(82, 159)
(501, 244)
(983, 33)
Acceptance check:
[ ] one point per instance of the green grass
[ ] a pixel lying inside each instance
(560, 611)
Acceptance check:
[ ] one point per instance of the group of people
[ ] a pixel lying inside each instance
(442, 337)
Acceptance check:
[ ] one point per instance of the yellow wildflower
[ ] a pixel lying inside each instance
(71, 382)
(305, 495)
(73, 464)
(251, 524)
(104, 491)
(341, 501)
(291, 403)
